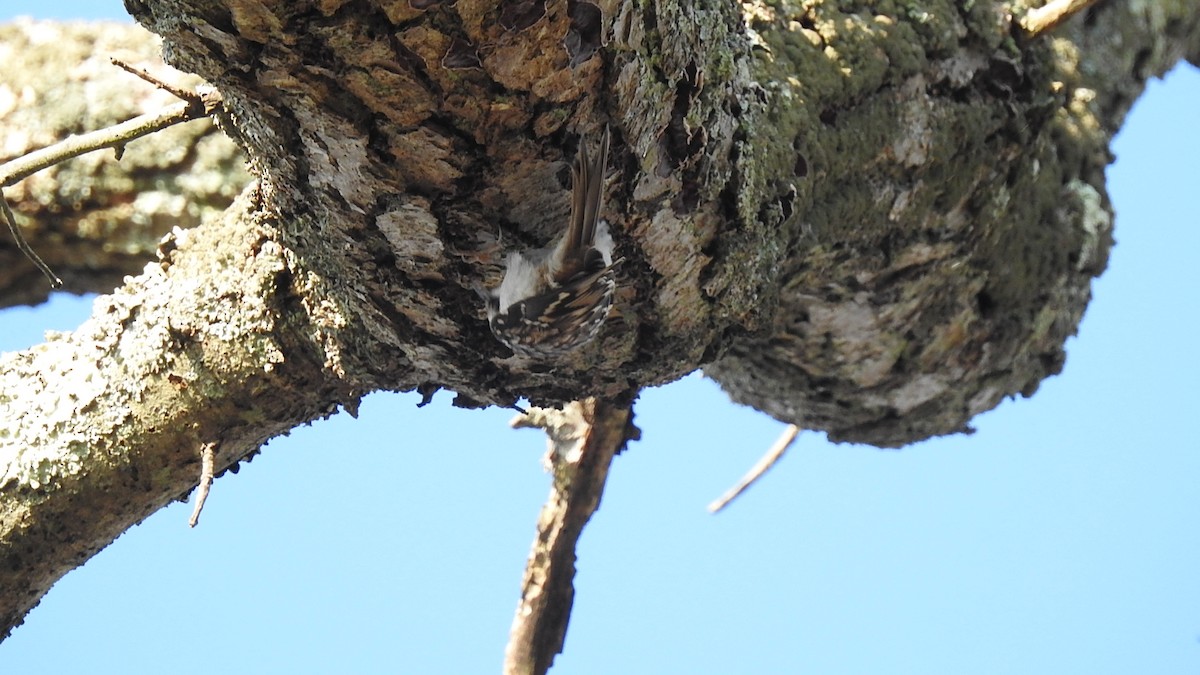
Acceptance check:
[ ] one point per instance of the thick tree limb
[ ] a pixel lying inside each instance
(940, 267)
(821, 205)
(875, 225)
(101, 425)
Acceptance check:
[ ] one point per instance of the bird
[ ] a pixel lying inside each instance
(554, 300)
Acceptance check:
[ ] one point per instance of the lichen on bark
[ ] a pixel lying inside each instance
(875, 219)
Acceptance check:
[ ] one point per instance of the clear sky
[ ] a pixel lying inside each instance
(1060, 538)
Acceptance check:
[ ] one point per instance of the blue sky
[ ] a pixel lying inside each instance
(1060, 538)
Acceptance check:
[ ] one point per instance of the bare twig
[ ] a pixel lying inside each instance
(194, 106)
(207, 462)
(768, 460)
(179, 92)
(1048, 16)
(583, 438)
(24, 246)
(114, 136)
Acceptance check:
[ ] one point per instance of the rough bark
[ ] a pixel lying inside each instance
(103, 426)
(876, 222)
(939, 266)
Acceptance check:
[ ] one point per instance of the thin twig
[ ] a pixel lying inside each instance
(583, 437)
(207, 462)
(1048, 16)
(24, 246)
(194, 106)
(116, 135)
(768, 460)
(180, 93)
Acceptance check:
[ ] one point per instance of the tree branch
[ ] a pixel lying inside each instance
(193, 106)
(583, 439)
(207, 468)
(102, 423)
(24, 246)
(94, 220)
(760, 467)
(1045, 18)
(115, 136)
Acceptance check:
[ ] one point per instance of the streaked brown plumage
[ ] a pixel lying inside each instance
(555, 300)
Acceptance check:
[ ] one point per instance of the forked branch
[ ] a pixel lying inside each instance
(193, 106)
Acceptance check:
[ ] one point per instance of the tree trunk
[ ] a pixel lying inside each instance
(878, 225)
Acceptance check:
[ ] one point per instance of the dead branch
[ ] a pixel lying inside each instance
(1053, 13)
(583, 439)
(110, 137)
(193, 106)
(762, 466)
(179, 92)
(207, 467)
(24, 247)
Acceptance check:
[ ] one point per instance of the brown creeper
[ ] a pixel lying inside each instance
(555, 299)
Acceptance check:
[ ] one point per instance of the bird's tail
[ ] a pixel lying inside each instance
(587, 196)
